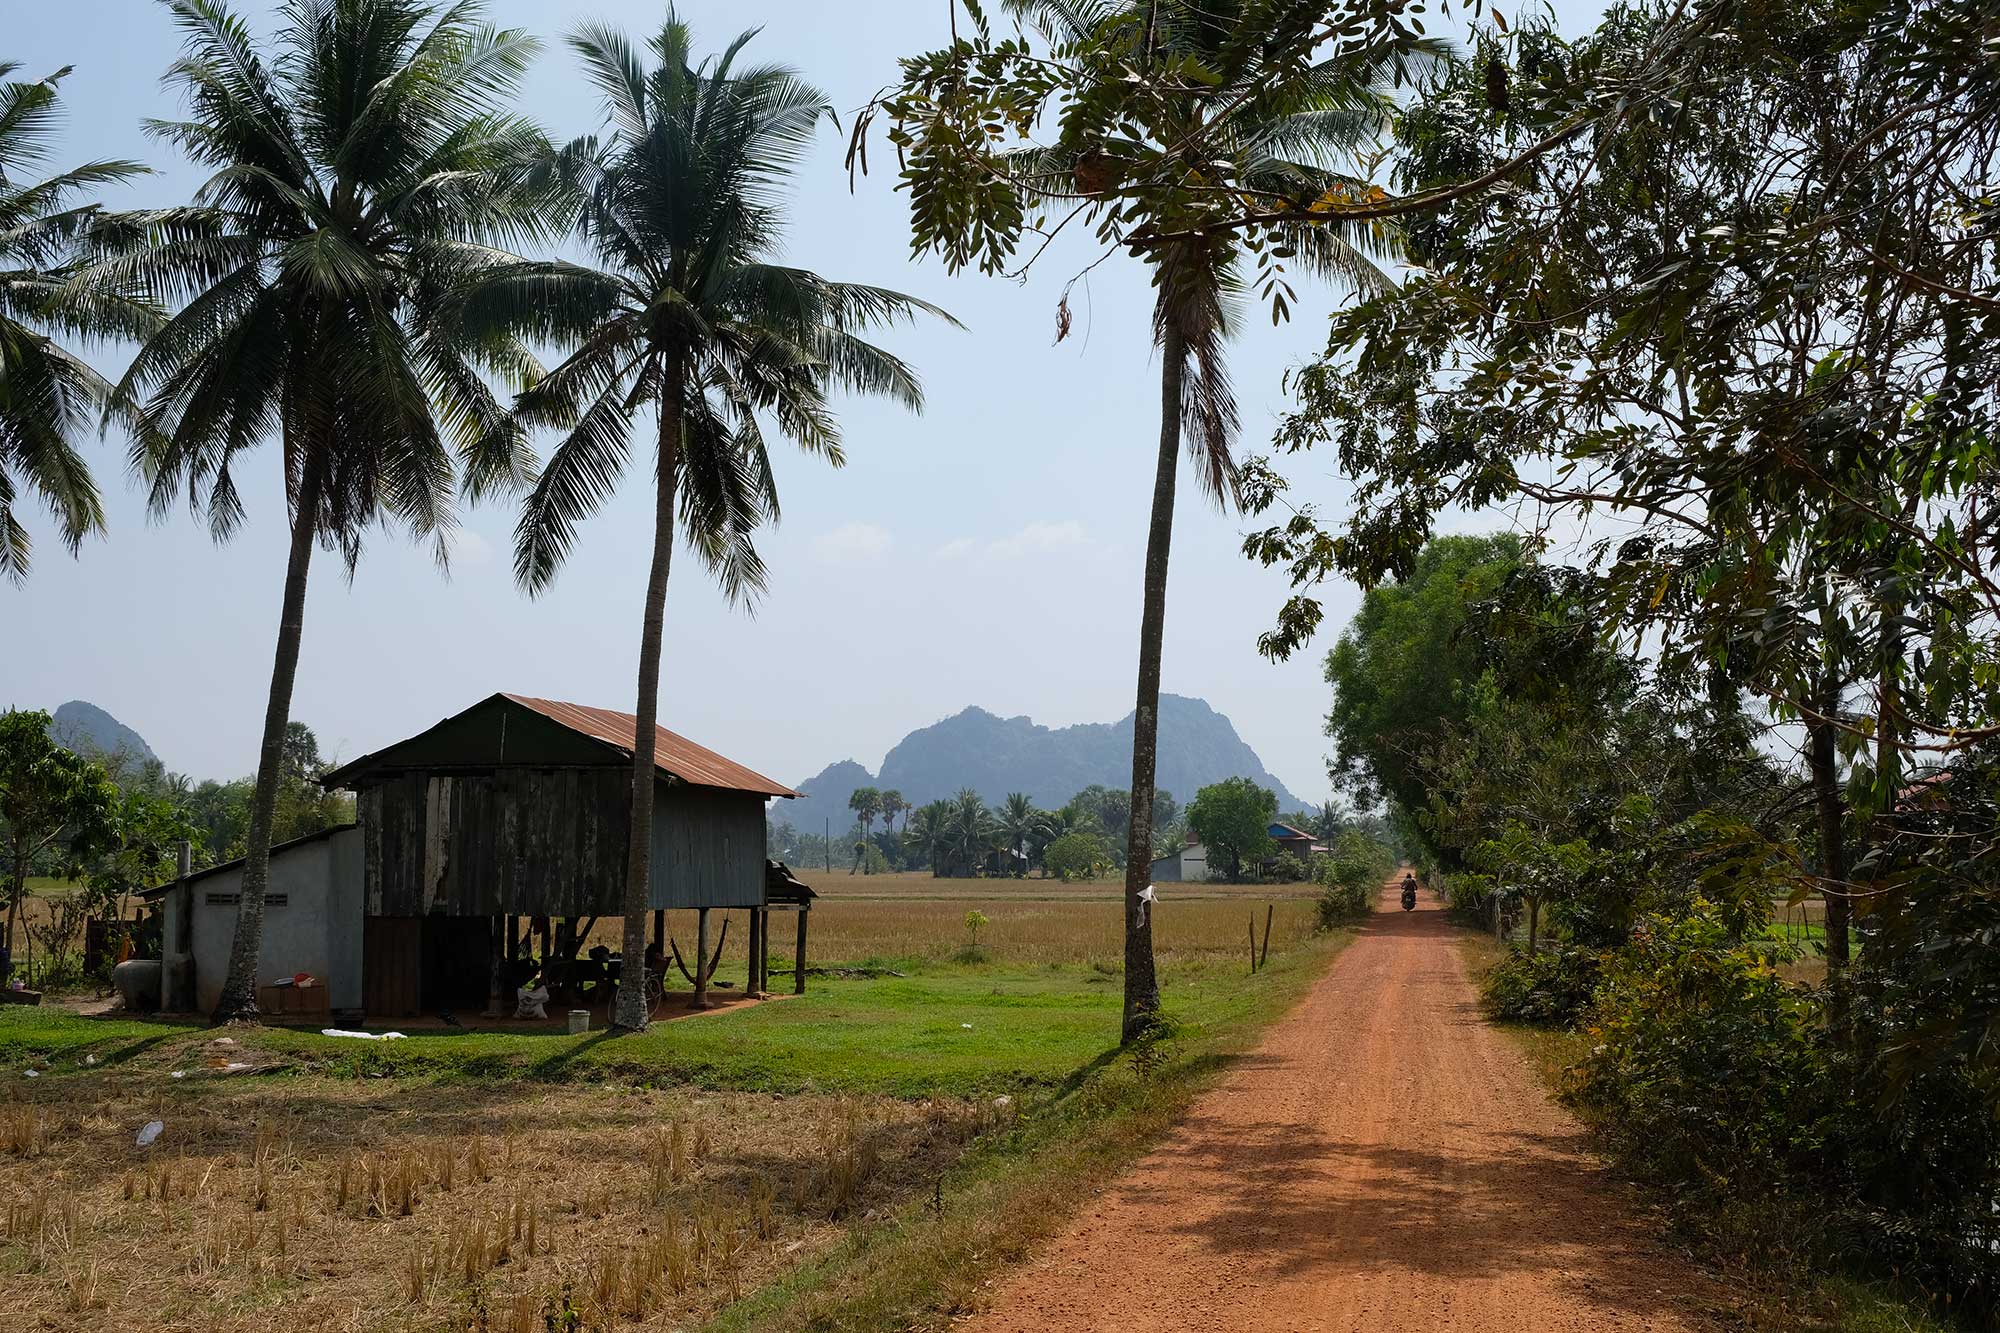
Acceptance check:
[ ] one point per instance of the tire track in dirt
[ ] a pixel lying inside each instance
(1382, 1161)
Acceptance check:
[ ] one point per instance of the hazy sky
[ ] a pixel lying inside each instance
(987, 552)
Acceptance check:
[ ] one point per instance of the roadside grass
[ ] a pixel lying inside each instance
(1780, 1300)
(930, 1260)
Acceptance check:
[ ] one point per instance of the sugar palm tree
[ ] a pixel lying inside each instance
(866, 803)
(893, 804)
(686, 313)
(357, 180)
(49, 395)
(1278, 139)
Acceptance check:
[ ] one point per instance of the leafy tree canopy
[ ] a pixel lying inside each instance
(1232, 818)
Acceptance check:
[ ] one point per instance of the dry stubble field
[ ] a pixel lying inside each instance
(294, 1197)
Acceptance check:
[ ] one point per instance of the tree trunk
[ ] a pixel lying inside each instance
(1142, 987)
(1534, 922)
(1822, 762)
(646, 713)
(239, 988)
(17, 889)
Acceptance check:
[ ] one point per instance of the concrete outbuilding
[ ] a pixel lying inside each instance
(1188, 865)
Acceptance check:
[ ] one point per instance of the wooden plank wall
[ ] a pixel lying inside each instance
(550, 842)
(533, 841)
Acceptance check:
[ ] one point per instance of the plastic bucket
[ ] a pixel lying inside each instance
(579, 1021)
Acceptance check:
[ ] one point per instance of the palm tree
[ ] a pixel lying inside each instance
(687, 313)
(314, 272)
(929, 830)
(972, 830)
(47, 392)
(1019, 822)
(1230, 126)
(893, 804)
(866, 803)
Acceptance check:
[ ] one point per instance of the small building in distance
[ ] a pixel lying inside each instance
(1296, 841)
(516, 808)
(1189, 865)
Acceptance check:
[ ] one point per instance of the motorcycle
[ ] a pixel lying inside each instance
(1409, 897)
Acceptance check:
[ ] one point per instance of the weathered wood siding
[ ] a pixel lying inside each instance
(550, 842)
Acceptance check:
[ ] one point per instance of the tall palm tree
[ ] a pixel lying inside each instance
(893, 804)
(687, 313)
(358, 178)
(1019, 822)
(48, 395)
(866, 803)
(1283, 139)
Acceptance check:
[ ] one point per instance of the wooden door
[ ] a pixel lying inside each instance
(391, 966)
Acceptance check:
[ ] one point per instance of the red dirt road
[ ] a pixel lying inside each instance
(1383, 1161)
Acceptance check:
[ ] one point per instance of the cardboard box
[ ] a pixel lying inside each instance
(301, 1000)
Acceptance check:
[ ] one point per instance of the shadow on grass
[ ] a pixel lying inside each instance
(132, 1049)
(557, 1063)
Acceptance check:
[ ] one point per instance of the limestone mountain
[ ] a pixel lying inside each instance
(89, 730)
(996, 755)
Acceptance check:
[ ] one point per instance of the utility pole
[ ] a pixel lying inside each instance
(826, 843)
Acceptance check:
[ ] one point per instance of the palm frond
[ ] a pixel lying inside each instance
(580, 473)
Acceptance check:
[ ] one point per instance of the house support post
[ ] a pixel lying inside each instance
(701, 959)
(799, 964)
(496, 970)
(660, 930)
(756, 982)
(764, 949)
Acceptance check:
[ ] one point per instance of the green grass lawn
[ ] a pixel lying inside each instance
(943, 1029)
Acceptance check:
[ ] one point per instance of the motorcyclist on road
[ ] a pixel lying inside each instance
(1409, 892)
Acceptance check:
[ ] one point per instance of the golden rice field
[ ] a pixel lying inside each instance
(923, 884)
(1018, 930)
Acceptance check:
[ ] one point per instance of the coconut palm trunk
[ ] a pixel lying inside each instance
(1142, 987)
(632, 991)
(239, 987)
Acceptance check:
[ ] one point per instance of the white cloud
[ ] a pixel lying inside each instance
(957, 548)
(853, 544)
(1039, 537)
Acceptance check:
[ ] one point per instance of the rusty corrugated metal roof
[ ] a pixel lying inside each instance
(673, 754)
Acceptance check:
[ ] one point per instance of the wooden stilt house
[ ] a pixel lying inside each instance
(516, 811)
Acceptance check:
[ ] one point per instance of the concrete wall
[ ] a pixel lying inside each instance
(1189, 866)
(317, 928)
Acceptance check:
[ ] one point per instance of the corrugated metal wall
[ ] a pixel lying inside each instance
(708, 848)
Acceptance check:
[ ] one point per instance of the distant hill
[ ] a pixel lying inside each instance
(89, 730)
(996, 755)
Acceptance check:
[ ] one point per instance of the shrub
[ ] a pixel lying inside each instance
(1287, 869)
(1708, 1069)
(1077, 856)
(1348, 877)
(1549, 988)
(1342, 898)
